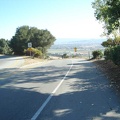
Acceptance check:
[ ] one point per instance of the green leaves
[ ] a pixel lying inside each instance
(42, 39)
(4, 47)
(97, 54)
(108, 11)
(111, 42)
(113, 54)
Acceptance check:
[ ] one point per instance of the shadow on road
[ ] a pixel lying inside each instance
(88, 97)
(19, 103)
(21, 93)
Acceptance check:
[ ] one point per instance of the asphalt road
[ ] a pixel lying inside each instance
(58, 90)
(10, 61)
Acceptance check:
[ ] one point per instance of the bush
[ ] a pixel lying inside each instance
(113, 53)
(107, 54)
(116, 55)
(65, 56)
(97, 54)
(33, 52)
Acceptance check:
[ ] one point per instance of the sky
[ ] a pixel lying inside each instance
(63, 18)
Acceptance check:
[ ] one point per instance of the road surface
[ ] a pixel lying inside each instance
(58, 90)
(10, 61)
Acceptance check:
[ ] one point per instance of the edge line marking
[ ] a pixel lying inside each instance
(50, 96)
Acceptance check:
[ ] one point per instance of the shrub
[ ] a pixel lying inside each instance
(107, 54)
(65, 56)
(33, 52)
(113, 53)
(116, 55)
(97, 54)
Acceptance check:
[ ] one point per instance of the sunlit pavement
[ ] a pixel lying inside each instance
(84, 94)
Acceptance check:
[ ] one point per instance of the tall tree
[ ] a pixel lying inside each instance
(4, 46)
(41, 39)
(108, 12)
(19, 40)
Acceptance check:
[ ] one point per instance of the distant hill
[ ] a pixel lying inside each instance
(71, 43)
(77, 40)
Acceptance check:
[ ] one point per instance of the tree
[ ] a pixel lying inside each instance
(41, 39)
(108, 43)
(107, 11)
(20, 40)
(111, 42)
(4, 46)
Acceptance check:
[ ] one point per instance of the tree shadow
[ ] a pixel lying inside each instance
(19, 103)
(21, 93)
(34, 75)
(85, 95)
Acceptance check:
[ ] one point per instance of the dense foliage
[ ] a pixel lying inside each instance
(4, 47)
(111, 42)
(108, 12)
(33, 52)
(113, 53)
(40, 39)
(97, 54)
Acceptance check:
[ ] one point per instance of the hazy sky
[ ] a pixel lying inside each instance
(63, 18)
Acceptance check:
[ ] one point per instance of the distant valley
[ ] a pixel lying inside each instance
(84, 47)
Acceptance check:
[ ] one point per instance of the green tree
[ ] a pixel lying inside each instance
(111, 42)
(20, 40)
(107, 11)
(4, 46)
(41, 39)
(108, 43)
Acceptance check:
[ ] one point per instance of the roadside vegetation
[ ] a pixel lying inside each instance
(5, 47)
(97, 54)
(18, 45)
(107, 12)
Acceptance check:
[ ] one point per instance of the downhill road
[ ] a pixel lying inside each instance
(10, 61)
(70, 89)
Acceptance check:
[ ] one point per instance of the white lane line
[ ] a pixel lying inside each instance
(50, 96)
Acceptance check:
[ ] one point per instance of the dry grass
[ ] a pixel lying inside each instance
(30, 60)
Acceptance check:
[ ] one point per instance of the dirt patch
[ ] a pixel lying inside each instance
(111, 71)
(30, 60)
